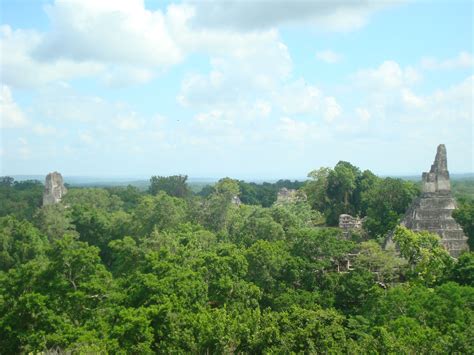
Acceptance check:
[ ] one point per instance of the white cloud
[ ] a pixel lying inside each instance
(44, 130)
(123, 43)
(129, 122)
(259, 65)
(389, 75)
(395, 103)
(332, 109)
(213, 118)
(122, 32)
(454, 103)
(20, 69)
(410, 99)
(390, 107)
(363, 114)
(122, 76)
(300, 131)
(342, 15)
(120, 43)
(86, 138)
(11, 115)
(24, 151)
(262, 108)
(463, 60)
(328, 56)
(301, 98)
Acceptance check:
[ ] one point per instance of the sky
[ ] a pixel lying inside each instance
(246, 89)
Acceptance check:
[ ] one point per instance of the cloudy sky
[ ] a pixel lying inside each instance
(248, 89)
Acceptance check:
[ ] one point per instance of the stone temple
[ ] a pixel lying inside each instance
(432, 211)
(54, 189)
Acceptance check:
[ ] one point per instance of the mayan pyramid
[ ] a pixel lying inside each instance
(432, 211)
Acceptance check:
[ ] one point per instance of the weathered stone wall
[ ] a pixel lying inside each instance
(349, 224)
(54, 189)
(437, 179)
(346, 221)
(290, 196)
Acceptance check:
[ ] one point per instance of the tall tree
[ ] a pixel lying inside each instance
(174, 185)
(464, 215)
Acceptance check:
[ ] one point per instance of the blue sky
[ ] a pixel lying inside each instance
(248, 89)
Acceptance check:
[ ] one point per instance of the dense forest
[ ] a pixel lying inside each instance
(168, 270)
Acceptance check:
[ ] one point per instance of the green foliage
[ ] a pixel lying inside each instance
(355, 290)
(219, 206)
(121, 271)
(54, 221)
(463, 188)
(414, 318)
(385, 264)
(341, 185)
(266, 264)
(173, 185)
(463, 270)
(464, 215)
(53, 301)
(264, 194)
(345, 189)
(161, 212)
(299, 330)
(130, 195)
(93, 198)
(386, 202)
(430, 262)
(258, 226)
(20, 198)
(20, 242)
(316, 188)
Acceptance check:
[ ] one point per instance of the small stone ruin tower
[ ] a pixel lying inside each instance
(54, 189)
(432, 211)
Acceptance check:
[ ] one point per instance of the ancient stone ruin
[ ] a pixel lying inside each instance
(290, 196)
(54, 189)
(236, 200)
(350, 224)
(432, 211)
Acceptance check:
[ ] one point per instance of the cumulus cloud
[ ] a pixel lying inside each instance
(410, 99)
(301, 98)
(86, 138)
(129, 122)
(20, 69)
(23, 148)
(300, 131)
(463, 60)
(259, 66)
(454, 103)
(44, 130)
(12, 116)
(123, 43)
(391, 94)
(328, 56)
(389, 75)
(122, 76)
(344, 15)
(112, 31)
(363, 114)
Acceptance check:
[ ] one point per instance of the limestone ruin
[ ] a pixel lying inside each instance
(54, 189)
(236, 200)
(289, 196)
(432, 211)
(348, 224)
